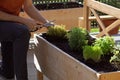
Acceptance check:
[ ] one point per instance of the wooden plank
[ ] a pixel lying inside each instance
(103, 17)
(58, 65)
(104, 8)
(110, 76)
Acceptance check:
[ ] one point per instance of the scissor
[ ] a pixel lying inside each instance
(39, 26)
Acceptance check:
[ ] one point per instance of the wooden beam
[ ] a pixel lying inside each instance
(99, 21)
(102, 17)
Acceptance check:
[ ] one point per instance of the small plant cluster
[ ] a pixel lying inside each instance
(101, 47)
(106, 43)
(58, 31)
(93, 48)
(79, 38)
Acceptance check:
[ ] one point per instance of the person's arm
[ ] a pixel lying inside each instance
(33, 12)
(9, 17)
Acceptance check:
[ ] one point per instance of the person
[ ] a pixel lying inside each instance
(15, 36)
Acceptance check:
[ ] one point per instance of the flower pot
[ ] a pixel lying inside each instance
(58, 65)
(107, 22)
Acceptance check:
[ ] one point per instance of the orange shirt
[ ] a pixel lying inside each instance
(11, 6)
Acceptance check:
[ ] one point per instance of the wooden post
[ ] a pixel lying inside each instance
(86, 15)
(39, 75)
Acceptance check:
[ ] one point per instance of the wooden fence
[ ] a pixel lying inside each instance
(93, 6)
(61, 4)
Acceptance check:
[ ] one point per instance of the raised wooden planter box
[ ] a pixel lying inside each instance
(68, 17)
(58, 65)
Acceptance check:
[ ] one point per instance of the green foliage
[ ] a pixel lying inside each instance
(96, 29)
(92, 52)
(106, 43)
(58, 31)
(116, 54)
(115, 59)
(77, 38)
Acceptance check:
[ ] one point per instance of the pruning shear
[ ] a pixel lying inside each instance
(47, 25)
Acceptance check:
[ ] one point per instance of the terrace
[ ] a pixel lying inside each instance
(72, 15)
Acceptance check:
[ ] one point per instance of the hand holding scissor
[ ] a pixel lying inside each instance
(47, 24)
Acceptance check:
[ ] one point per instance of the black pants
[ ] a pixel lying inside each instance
(14, 38)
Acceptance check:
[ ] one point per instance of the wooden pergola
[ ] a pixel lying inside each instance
(93, 6)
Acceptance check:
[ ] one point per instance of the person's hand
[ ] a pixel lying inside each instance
(48, 24)
(31, 24)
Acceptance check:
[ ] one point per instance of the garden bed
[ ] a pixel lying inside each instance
(70, 55)
(56, 64)
(102, 66)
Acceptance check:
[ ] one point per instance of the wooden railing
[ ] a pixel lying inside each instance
(54, 1)
(93, 6)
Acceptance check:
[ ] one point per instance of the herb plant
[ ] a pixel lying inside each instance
(115, 59)
(106, 43)
(58, 31)
(77, 38)
(92, 52)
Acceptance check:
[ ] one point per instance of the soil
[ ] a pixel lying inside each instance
(102, 66)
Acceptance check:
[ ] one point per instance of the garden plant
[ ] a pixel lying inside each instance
(90, 50)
